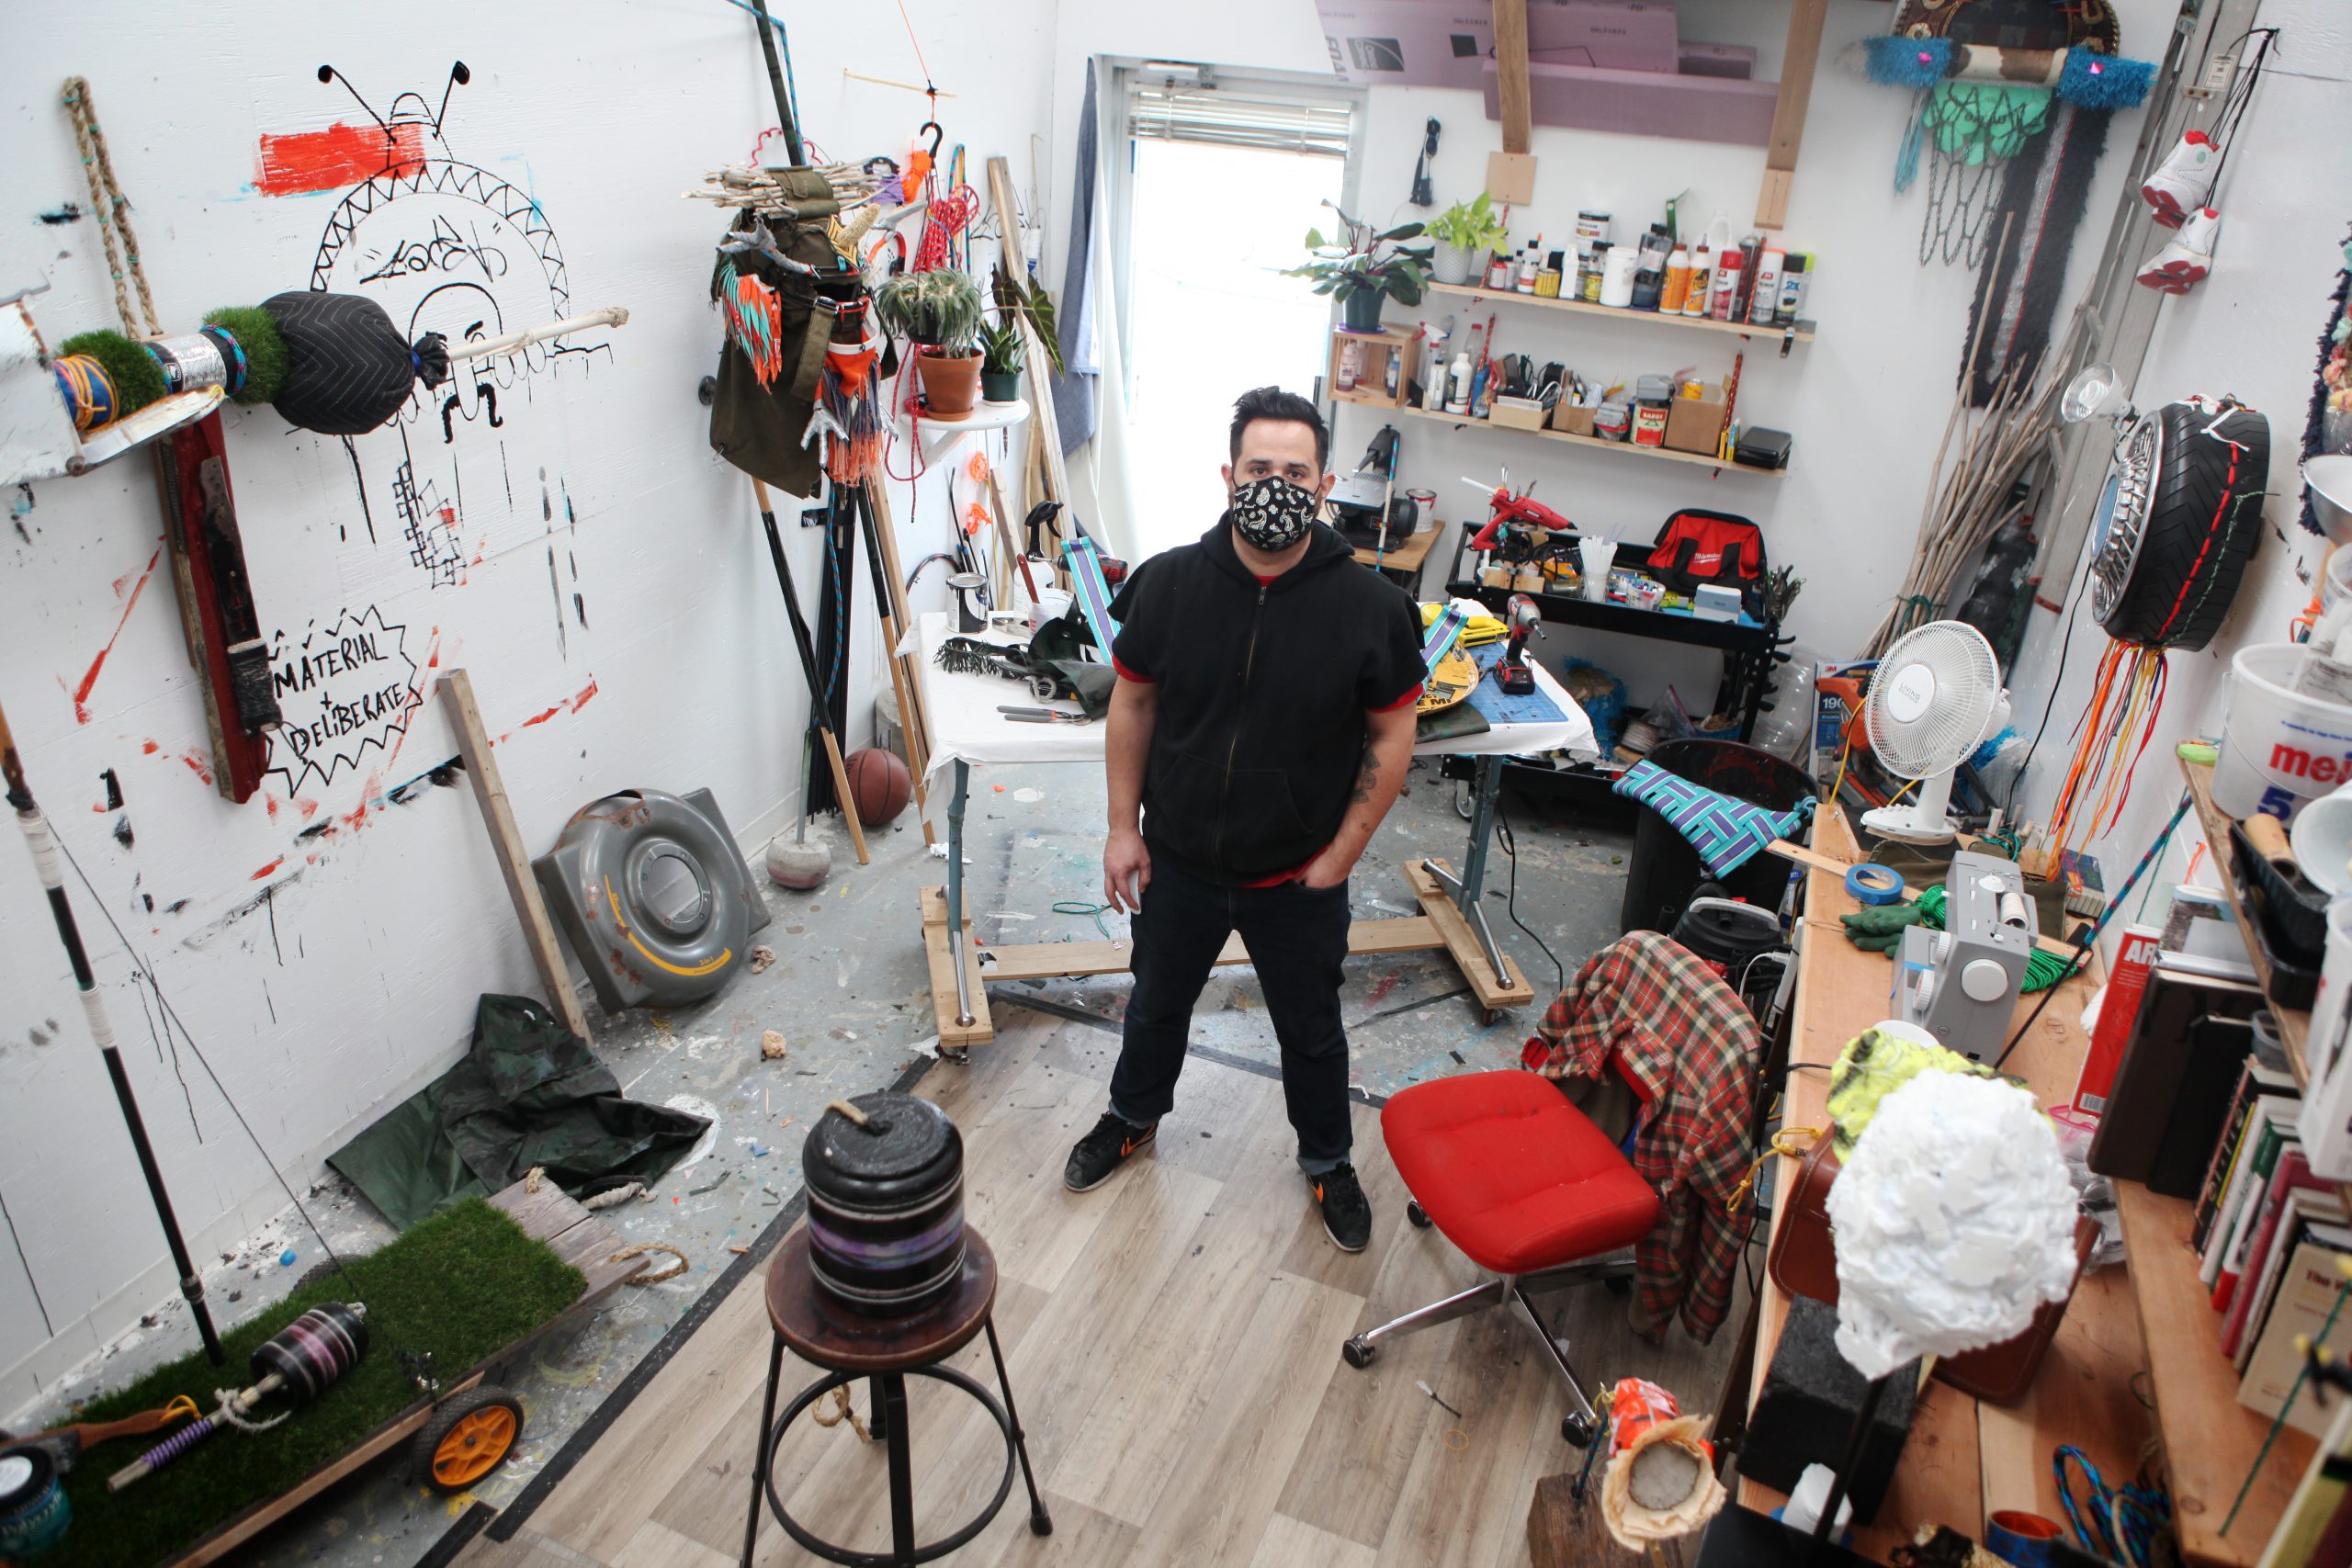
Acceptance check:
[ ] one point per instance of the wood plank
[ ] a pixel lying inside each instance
(507, 845)
(1798, 58)
(2082, 1395)
(1565, 1533)
(216, 1547)
(1479, 293)
(1054, 960)
(1290, 1544)
(1045, 425)
(2209, 1438)
(941, 955)
(1514, 100)
(1469, 956)
(1406, 556)
(529, 1548)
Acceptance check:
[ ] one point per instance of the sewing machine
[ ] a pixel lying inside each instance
(1961, 983)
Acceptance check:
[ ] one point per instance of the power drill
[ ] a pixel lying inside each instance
(1511, 672)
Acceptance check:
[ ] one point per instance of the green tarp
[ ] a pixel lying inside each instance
(527, 1093)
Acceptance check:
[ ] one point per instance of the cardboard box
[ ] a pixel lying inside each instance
(1643, 103)
(1515, 413)
(1572, 421)
(1694, 425)
(1735, 61)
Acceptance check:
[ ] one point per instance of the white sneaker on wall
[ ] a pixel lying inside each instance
(2183, 181)
(2184, 262)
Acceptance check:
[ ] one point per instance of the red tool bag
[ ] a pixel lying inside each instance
(1696, 548)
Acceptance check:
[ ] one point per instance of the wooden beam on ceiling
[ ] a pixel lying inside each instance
(1510, 71)
(1805, 20)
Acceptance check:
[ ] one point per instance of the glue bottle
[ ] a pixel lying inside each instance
(1678, 283)
(1702, 273)
(1458, 398)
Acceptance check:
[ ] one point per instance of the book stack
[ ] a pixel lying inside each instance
(2267, 1233)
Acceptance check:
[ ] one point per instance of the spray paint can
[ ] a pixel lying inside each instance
(1725, 290)
(1793, 278)
(1765, 298)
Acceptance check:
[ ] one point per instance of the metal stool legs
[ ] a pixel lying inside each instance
(759, 1465)
(1040, 1522)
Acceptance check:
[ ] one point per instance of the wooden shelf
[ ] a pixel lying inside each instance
(1595, 444)
(1801, 332)
(2209, 1438)
(2293, 1023)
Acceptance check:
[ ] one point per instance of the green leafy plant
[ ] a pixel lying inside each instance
(1363, 262)
(1003, 351)
(940, 309)
(1468, 225)
(1026, 297)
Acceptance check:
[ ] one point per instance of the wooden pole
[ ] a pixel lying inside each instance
(506, 844)
(1016, 254)
(1510, 73)
(885, 535)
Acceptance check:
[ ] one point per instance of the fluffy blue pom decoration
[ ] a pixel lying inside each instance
(2102, 82)
(1908, 61)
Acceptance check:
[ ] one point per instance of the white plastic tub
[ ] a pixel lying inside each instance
(2279, 747)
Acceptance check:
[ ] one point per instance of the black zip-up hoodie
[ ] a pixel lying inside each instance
(1262, 693)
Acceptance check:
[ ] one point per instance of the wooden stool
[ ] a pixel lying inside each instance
(887, 1351)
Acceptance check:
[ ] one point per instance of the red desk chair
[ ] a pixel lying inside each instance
(1528, 1188)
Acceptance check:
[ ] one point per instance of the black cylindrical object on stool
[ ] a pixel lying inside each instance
(1664, 870)
(886, 1204)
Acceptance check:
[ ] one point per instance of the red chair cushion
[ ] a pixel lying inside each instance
(1515, 1176)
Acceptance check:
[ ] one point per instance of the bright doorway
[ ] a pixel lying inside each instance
(1213, 214)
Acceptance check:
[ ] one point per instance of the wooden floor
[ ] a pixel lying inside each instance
(1173, 1339)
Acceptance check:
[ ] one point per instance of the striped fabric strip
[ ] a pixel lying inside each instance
(1727, 833)
(1094, 590)
(1444, 633)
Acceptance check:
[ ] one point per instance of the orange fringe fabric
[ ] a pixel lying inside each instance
(756, 320)
(2112, 735)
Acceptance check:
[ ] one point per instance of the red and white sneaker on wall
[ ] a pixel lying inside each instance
(2184, 262)
(2183, 181)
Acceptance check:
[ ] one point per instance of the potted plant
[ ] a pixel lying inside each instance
(1466, 234)
(1364, 269)
(939, 312)
(1003, 353)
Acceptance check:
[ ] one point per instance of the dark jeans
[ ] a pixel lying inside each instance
(1297, 939)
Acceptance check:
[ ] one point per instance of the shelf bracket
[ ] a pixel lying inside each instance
(1788, 339)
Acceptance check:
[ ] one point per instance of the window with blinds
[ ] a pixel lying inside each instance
(1181, 112)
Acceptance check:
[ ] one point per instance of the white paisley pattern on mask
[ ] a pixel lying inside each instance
(1273, 513)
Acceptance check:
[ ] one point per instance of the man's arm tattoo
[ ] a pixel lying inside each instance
(1367, 776)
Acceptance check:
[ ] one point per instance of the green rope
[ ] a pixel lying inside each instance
(1097, 910)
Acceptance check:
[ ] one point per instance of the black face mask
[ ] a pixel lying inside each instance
(1273, 513)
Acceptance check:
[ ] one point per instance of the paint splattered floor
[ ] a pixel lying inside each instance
(849, 993)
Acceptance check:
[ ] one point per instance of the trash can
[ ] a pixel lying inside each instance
(1665, 871)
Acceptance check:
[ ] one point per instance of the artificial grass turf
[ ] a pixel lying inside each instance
(461, 1285)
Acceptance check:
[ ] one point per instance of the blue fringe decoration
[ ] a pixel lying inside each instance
(2102, 82)
(1908, 61)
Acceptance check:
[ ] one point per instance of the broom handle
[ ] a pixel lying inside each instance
(808, 668)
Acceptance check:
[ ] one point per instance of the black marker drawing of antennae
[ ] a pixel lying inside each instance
(460, 75)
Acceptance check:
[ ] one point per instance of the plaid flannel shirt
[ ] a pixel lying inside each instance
(1681, 1038)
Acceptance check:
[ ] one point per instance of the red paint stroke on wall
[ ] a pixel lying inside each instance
(586, 692)
(271, 802)
(309, 808)
(81, 694)
(149, 748)
(265, 871)
(339, 155)
(198, 766)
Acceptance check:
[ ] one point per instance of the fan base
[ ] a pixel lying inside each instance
(1910, 826)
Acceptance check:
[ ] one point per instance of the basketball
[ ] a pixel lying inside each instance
(878, 785)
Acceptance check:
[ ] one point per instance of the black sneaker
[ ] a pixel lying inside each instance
(1347, 1213)
(1097, 1154)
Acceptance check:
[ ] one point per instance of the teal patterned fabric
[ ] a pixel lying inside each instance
(1725, 832)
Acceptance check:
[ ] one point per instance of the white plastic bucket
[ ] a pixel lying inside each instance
(2279, 747)
(2335, 584)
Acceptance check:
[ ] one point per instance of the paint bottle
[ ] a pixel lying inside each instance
(1793, 277)
(1765, 298)
(1458, 398)
(1702, 273)
(1595, 265)
(1724, 288)
(1677, 282)
(1500, 272)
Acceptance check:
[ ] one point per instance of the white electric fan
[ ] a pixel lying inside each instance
(1935, 696)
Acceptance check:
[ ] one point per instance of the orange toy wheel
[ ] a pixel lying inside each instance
(470, 1435)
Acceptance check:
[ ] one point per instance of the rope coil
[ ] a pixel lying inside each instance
(110, 209)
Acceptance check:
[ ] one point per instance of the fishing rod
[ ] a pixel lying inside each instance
(43, 845)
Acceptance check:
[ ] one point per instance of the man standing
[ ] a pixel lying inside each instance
(1262, 725)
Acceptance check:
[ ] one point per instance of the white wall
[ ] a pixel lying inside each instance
(2250, 329)
(353, 978)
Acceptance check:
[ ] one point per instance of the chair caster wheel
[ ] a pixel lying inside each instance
(1418, 1215)
(1579, 1430)
(1359, 1352)
(1618, 1287)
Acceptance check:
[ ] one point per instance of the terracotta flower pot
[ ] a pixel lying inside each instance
(950, 385)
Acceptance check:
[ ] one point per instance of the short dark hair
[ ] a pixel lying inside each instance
(1272, 402)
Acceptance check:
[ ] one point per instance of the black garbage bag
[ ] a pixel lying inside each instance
(528, 1093)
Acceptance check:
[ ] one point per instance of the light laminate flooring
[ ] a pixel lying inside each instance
(1173, 1339)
